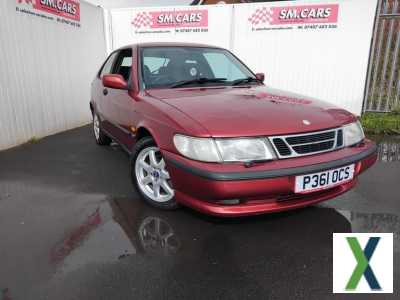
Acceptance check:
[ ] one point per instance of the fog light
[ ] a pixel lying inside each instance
(229, 201)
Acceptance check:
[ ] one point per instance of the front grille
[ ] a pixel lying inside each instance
(303, 139)
(310, 148)
(307, 143)
(283, 149)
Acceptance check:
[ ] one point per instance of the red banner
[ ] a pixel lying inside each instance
(301, 14)
(171, 19)
(69, 9)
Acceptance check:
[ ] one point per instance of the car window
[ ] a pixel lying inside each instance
(153, 64)
(127, 61)
(166, 66)
(222, 67)
(123, 64)
(108, 65)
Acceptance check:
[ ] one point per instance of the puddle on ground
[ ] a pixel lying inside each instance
(132, 229)
(112, 235)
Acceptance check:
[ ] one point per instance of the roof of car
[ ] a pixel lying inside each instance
(168, 44)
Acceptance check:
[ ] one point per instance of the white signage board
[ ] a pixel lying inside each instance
(205, 24)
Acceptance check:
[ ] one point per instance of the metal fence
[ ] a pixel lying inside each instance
(389, 151)
(383, 82)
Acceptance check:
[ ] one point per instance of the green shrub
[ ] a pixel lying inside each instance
(33, 140)
(381, 123)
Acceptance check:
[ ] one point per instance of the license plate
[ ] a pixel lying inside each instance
(323, 180)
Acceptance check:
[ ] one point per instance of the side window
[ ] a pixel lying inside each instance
(123, 64)
(222, 67)
(127, 61)
(108, 65)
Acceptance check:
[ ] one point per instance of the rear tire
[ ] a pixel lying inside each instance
(150, 176)
(100, 137)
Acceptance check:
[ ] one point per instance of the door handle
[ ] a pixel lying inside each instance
(105, 92)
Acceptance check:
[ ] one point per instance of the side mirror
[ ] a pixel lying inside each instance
(114, 81)
(260, 76)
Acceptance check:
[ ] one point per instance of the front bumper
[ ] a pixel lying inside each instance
(265, 187)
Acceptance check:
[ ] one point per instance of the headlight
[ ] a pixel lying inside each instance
(203, 149)
(228, 150)
(244, 149)
(353, 134)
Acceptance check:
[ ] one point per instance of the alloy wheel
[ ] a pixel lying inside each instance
(152, 176)
(96, 127)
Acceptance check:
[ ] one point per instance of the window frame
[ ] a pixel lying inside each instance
(118, 62)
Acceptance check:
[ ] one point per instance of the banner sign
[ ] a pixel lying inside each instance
(284, 17)
(65, 11)
(209, 24)
(170, 20)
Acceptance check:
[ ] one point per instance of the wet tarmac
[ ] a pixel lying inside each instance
(72, 227)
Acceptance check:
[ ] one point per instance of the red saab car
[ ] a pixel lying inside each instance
(204, 131)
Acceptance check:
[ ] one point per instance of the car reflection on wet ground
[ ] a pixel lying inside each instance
(72, 227)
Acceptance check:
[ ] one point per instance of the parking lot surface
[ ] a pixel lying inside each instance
(73, 227)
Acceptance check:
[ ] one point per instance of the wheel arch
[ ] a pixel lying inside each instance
(144, 130)
(91, 107)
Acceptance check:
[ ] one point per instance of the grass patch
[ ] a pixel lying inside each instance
(381, 123)
(33, 140)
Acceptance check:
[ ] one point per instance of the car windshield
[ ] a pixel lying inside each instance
(171, 67)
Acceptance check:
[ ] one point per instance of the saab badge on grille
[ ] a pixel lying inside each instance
(306, 122)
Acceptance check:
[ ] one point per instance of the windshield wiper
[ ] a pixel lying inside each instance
(200, 80)
(246, 80)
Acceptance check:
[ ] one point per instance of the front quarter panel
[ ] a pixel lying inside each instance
(163, 121)
(96, 93)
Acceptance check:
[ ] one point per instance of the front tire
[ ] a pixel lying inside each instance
(100, 137)
(150, 176)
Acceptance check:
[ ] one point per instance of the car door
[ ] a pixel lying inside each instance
(120, 106)
(101, 104)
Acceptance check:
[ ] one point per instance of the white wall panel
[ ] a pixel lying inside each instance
(130, 3)
(325, 63)
(46, 71)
